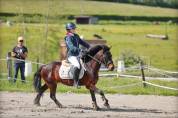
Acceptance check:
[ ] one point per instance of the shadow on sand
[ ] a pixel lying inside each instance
(121, 109)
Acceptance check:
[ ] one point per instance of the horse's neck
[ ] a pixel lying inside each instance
(96, 53)
(95, 66)
(93, 51)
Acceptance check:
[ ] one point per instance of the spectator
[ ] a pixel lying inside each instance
(19, 52)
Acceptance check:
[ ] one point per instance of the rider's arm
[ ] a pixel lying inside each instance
(83, 43)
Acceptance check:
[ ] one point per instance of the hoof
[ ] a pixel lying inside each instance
(37, 104)
(107, 105)
(95, 107)
(60, 106)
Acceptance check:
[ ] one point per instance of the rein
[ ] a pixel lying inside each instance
(95, 59)
(100, 62)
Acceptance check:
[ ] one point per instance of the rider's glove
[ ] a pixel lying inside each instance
(84, 52)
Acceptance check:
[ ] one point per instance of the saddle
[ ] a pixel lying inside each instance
(66, 70)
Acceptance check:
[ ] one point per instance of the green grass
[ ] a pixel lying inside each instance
(78, 7)
(18, 87)
(108, 85)
(161, 53)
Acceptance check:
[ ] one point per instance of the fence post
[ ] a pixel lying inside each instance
(120, 67)
(142, 72)
(37, 65)
(9, 65)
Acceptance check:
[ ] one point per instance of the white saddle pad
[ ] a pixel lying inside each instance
(65, 70)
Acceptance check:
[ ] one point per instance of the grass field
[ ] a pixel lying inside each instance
(161, 53)
(109, 85)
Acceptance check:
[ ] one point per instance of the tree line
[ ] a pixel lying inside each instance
(160, 3)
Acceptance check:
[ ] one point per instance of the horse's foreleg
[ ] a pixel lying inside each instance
(103, 97)
(95, 106)
(53, 95)
(40, 93)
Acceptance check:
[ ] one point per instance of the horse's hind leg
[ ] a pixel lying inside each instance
(103, 97)
(53, 95)
(95, 106)
(40, 93)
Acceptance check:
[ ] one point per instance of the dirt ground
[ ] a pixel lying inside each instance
(20, 105)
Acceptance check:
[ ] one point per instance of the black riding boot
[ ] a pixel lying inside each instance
(76, 77)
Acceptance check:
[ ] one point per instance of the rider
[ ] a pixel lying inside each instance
(73, 50)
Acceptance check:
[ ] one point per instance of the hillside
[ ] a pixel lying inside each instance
(78, 7)
(159, 3)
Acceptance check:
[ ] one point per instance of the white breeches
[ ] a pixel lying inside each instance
(74, 61)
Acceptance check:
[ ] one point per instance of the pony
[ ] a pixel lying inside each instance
(96, 56)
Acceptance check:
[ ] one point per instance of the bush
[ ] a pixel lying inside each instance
(130, 58)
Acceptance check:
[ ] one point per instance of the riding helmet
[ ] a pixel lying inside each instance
(70, 26)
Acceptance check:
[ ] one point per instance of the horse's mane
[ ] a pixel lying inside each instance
(93, 51)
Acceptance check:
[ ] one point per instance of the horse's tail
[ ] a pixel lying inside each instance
(37, 80)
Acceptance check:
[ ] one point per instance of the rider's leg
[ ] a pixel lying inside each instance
(76, 76)
(75, 61)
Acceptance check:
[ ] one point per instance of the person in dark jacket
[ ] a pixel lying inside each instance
(19, 52)
(73, 51)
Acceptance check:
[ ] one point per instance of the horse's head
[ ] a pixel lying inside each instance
(101, 54)
(106, 57)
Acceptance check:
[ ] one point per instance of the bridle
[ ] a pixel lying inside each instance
(97, 60)
(100, 62)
